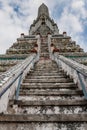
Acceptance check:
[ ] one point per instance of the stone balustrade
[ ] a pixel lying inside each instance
(10, 79)
(78, 72)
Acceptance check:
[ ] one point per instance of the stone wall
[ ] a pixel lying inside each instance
(64, 44)
(22, 46)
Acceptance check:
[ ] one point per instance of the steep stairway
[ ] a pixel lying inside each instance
(48, 100)
(44, 48)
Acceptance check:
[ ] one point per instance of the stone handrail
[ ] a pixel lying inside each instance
(75, 70)
(5, 75)
(9, 81)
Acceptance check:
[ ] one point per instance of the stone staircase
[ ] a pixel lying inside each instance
(48, 100)
(44, 48)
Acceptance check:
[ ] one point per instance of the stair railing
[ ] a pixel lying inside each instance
(75, 70)
(11, 81)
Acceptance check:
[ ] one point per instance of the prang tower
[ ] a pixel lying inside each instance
(43, 80)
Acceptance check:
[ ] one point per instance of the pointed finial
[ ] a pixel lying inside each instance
(43, 9)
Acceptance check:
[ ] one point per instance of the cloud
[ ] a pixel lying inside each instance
(70, 22)
(77, 4)
(73, 20)
(79, 8)
(16, 17)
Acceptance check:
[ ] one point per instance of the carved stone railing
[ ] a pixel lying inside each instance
(10, 81)
(75, 70)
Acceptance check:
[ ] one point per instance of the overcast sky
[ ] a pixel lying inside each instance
(16, 16)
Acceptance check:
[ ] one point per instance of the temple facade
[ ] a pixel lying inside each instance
(43, 80)
(44, 25)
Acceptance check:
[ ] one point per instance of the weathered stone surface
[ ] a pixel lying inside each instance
(65, 45)
(43, 9)
(50, 103)
(60, 80)
(52, 93)
(48, 86)
(43, 126)
(43, 118)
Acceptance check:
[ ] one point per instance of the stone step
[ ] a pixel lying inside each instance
(50, 103)
(43, 125)
(44, 41)
(59, 80)
(44, 67)
(46, 64)
(46, 89)
(46, 71)
(44, 47)
(45, 77)
(44, 54)
(50, 97)
(50, 92)
(45, 50)
(43, 63)
(45, 74)
(44, 58)
(25, 118)
(47, 109)
(45, 44)
(52, 76)
(48, 86)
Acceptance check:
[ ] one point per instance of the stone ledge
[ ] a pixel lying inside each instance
(50, 103)
(43, 118)
(50, 93)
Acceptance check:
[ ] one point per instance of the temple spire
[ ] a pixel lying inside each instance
(43, 23)
(43, 10)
